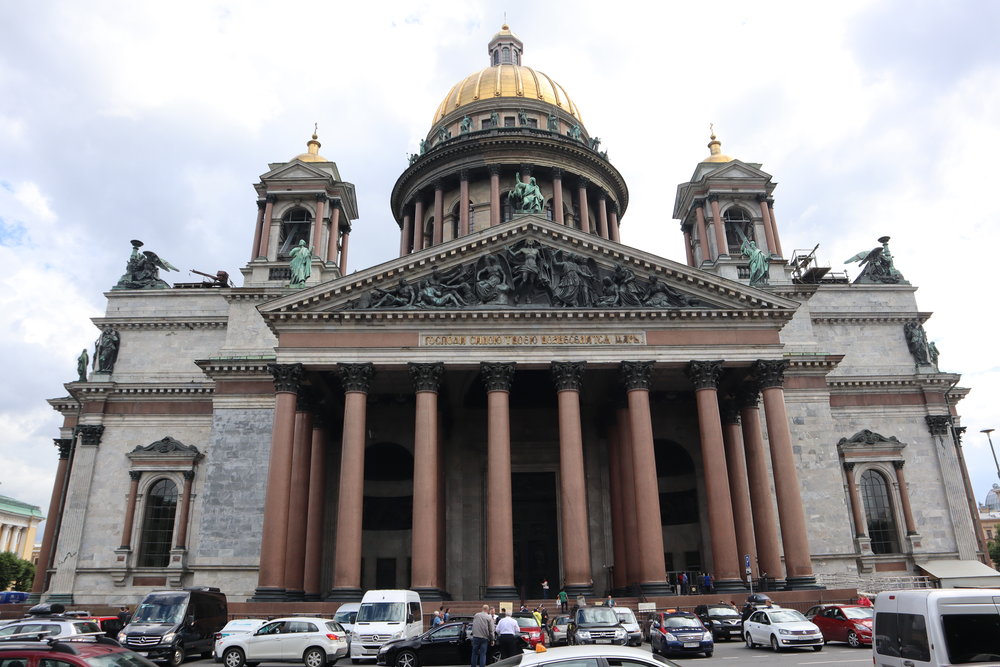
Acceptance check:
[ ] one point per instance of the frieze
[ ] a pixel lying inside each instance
(867, 437)
(531, 339)
(167, 445)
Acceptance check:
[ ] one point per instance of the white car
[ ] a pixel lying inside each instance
(781, 628)
(631, 625)
(315, 642)
(590, 656)
(242, 626)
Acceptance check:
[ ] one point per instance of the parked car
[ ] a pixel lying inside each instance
(170, 625)
(238, 626)
(849, 623)
(627, 618)
(531, 631)
(583, 656)
(595, 625)
(56, 626)
(447, 644)
(722, 619)
(13, 597)
(79, 651)
(557, 630)
(346, 614)
(681, 632)
(385, 615)
(315, 642)
(781, 628)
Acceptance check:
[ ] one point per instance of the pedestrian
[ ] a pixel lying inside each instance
(682, 579)
(447, 614)
(508, 632)
(864, 600)
(545, 615)
(437, 620)
(483, 629)
(563, 601)
(581, 600)
(708, 584)
(538, 616)
(545, 589)
(124, 615)
(610, 602)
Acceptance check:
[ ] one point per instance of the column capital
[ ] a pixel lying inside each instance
(438, 185)
(426, 377)
(713, 197)
(748, 395)
(730, 412)
(636, 374)
(261, 204)
(959, 431)
(134, 475)
(497, 376)
(270, 199)
(356, 377)
(613, 208)
(463, 175)
(849, 466)
(287, 377)
(494, 169)
(64, 445)
(769, 372)
(938, 424)
(557, 172)
(90, 434)
(345, 227)
(898, 465)
(188, 475)
(602, 196)
(762, 198)
(320, 196)
(704, 374)
(568, 375)
(583, 183)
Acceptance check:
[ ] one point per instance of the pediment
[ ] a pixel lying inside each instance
(529, 264)
(737, 169)
(295, 170)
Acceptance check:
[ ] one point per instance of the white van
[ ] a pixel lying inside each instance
(937, 627)
(384, 616)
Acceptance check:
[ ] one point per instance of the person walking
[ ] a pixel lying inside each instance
(483, 630)
(545, 589)
(437, 620)
(545, 615)
(682, 579)
(124, 616)
(538, 616)
(563, 601)
(508, 632)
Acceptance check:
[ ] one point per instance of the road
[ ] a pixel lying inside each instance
(726, 653)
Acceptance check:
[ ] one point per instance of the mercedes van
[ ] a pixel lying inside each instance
(172, 625)
(385, 615)
(933, 627)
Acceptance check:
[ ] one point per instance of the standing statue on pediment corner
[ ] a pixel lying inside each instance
(81, 366)
(916, 340)
(106, 351)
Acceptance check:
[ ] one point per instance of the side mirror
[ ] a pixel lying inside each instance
(656, 624)
(190, 619)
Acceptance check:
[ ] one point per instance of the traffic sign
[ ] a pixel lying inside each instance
(746, 562)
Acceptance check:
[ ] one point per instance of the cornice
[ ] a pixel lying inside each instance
(243, 367)
(64, 404)
(818, 364)
(881, 382)
(161, 322)
(113, 391)
(866, 317)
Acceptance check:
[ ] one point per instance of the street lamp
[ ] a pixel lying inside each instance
(987, 431)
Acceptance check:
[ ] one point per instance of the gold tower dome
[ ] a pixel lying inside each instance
(312, 152)
(715, 151)
(506, 78)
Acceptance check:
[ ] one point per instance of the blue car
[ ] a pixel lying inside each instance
(680, 632)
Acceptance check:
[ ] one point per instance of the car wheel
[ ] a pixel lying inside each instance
(314, 657)
(406, 659)
(176, 656)
(774, 644)
(233, 657)
(853, 639)
(708, 654)
(818, 648)
(355, 661)
(750, 643)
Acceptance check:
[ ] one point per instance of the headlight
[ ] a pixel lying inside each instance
(355, 636)
(669, 637)
(782, 631)
(121, 637)
(620, 633)
(583, 634)
(399, 635)
(167, 638)
(706, 637)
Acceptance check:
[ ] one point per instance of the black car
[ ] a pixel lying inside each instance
(446, 644)
(722, 619)
(595, 625)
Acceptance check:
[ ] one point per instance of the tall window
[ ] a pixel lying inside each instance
(158, 524)
(737, 222)
(294, 228)
(878, 513)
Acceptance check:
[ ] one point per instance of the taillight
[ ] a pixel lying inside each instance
(333, 637)
(218, 636)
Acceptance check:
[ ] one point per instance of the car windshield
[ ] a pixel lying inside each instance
(242, 625)
(786, 616)
(167, 609)
(859, 613)
(381, 612)
(84, 627)
(722, 612)
(345, 616)
(626, 616)
(119, 659)
(525, 622)
(680, 622)
(333, 626)
(597, 615)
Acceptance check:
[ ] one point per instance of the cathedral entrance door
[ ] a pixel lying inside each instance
(536, 536)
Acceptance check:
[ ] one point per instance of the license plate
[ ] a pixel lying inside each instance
(734, 631)
(602, 641)
(142, 653)
(691, 644)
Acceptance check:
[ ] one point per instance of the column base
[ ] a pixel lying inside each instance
(268, 594)
(60, 598)
(295, 596)
(575, 590)
(502, 593)
(769, 584)
(312, 597)
(730, 585)
(656, 589)
(432, 593)
(345, 595)
(802, 583)
(33, 599)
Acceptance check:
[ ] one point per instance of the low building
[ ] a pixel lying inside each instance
(18, 526)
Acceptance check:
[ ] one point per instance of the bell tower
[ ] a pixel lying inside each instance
(726, 201)
(303, 199)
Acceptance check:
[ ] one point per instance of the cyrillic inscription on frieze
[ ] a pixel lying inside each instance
(523, 340)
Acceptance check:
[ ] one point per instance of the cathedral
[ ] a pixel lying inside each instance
(517, 397)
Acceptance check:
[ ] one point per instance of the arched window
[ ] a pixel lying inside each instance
(294, 228)
(878, 513)
(496, 57)
(158, 524)
(506, 55)
(429, 233)
(737, 222)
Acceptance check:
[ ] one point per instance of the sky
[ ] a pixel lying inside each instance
(152, 120)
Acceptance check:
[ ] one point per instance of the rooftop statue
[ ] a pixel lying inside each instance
(526, 197)
(877, 265)
(494, 119)
(553, 123)
(575, 133)
(143, 270)
(81, 365)
(916, 340)
(106, 351)
(522, 117)
(301, 264)
(759, 261)
(466, 125)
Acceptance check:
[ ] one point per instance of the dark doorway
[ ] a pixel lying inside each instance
(536, 537)
(385, 573)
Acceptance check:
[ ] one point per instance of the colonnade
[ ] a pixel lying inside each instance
(414, 212)
(327, 229)
(741, 514)
(12, 538)
(702, 222)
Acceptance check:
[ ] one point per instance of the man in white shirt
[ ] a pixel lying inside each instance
(509, 633)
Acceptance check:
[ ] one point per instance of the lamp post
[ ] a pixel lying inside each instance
(987, 431)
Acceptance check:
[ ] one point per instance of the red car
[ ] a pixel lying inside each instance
(79, 651)
(849, 623)
(531, 632)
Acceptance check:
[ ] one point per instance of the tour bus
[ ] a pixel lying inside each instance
(937, 627)
(385, 615)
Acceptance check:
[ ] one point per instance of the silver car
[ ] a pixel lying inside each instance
(557, 630)
(631, 625)
(58, 627)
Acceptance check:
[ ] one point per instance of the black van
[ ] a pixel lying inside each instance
(171, 625)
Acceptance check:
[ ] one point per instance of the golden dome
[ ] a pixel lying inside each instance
(312, 155)
(715, 150)
(507, 81)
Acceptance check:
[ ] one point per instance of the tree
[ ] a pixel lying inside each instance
(993, 546)
(15, 573)
(26, 577)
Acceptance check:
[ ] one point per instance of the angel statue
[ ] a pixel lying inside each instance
(759, 261)
(143, 270)
(300, 264)
(876, 265)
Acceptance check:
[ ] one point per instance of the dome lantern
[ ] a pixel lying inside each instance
(505, 48)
